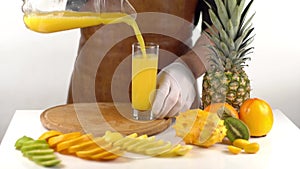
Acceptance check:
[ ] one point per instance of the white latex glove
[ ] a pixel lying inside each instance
(175, 90)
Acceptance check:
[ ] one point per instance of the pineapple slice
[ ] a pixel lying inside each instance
(200, 127)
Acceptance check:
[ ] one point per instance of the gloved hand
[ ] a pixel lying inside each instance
(175, 90)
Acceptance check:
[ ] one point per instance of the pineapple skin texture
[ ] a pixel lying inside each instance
(225, 79)
(230, 87)
(195, 124)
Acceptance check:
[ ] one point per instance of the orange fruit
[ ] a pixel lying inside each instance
(49, 134)
(257, 115)
(64, 145)
(228, 109)
(53, 141)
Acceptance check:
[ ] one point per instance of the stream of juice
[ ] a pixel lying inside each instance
(144, 68)
(47, 22)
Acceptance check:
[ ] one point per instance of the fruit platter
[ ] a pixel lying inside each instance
(273, 148)
(216, 124)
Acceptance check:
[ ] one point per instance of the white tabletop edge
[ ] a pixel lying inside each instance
(282, 140)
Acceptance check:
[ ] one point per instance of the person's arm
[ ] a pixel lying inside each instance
(196, 59)
(176, 83)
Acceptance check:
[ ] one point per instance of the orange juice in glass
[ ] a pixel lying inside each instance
(144, 71)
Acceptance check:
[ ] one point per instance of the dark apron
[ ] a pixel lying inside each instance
(102, 71)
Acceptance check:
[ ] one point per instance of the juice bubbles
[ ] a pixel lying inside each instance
(144, 70)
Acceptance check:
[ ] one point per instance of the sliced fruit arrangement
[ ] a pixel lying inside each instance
(200, 127)
(112, 145)
(49, 134)
(82, 145)
(205, 128)
(37, 151)
(241, 144)
(146, 145)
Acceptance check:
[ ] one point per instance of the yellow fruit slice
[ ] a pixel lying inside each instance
(64, 145)
(89, 153)
(234, 150)
(178, 150)
(240, 143)
(129, 142)
(53, 141)
(49, 134)
(145, 145)
(116, 151)
(154, 151)
(144, 136)
(133, 135)
(183, 150)
(171, 152)
(122, 141)
(87, 145)
(140, 142)
(112, 136)
(251, 148)
(132, 143)
(94, 151)
(110, 157)
(148, 145)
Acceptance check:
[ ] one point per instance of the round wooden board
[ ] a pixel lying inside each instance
(96, 118)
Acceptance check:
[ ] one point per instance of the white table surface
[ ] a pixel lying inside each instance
(279, 149)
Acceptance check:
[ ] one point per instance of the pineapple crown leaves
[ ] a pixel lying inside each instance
(231, 35)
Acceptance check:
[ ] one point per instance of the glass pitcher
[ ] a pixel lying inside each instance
(48, 16)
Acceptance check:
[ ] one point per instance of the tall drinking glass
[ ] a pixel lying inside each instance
(144, 71)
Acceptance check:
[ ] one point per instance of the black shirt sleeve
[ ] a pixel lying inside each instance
(202, 10)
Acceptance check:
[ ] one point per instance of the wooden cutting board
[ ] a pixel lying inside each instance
(96, 118)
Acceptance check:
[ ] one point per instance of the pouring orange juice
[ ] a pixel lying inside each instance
(54, 15)
(47, 22)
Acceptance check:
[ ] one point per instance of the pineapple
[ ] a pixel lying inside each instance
(200, 127)
(225, 80)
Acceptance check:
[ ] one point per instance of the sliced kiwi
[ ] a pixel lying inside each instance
(40, 158)
(37, 151)
(33, 147)
(31, 142)
(236, 129)
(19, 143)
(49, 163)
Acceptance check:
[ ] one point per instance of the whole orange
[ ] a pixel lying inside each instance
(257, 115)
(227, 108)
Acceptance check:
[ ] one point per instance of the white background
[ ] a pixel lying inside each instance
(35, 68)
